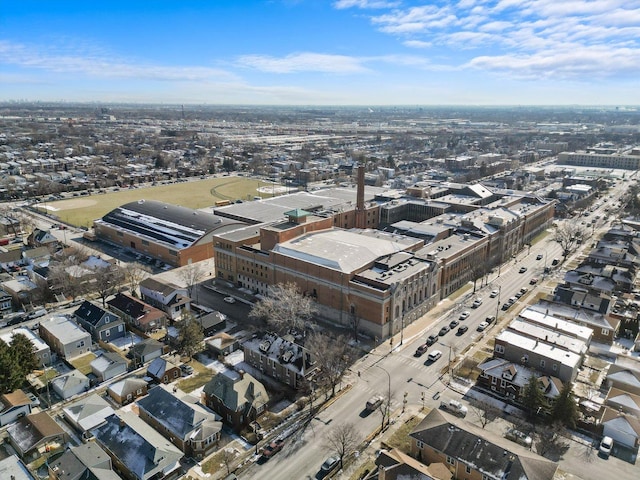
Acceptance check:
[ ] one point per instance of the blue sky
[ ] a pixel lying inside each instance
(322, 52)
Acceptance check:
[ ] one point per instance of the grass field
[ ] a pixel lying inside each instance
(82, 211)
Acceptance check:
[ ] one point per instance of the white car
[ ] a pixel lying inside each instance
(482, 326)
(229, 299)
(477, 302)
(464, 315)
(494, 293)
(606, 445)
(435, 355)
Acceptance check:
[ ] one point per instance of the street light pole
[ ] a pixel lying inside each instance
(498, 304)
(389, 392)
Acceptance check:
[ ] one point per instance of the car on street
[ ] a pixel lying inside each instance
(329, 465)
(274, 447)
(490, 319)
(506, 305)
(453, 324)
(606, 445)
(444, 330)
(432, 339)
(522, 269)
(229, 299)
(494, 293)
(482, 326)
(477, 302)
(463, 329)
(539, 256)
(435, 355)
(518, 437)
(555, 262)
(464, 315)
(533, 281)
(454, 407)
(421, 350)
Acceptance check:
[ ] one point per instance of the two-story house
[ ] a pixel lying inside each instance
(166, 296)
(236, 396)
(103, 325)
(187, 425)
(137, 313)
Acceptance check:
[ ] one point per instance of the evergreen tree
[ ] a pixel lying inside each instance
(9, 377)
(191, 336)
(24, 353)
(533, 398)
(565, 409)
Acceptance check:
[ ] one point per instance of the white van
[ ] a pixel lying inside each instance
(41, 312)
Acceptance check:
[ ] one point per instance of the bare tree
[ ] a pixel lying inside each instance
(108, 280)
(192, 274)
(343, 440)
(284, 308)
(228, 456)
(550, 442)
(333, 356)
(385, 409)
(569, 235)
(485, 412)
(134, 273)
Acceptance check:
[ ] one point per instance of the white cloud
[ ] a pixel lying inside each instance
(96, 65)
(416, 44)
(364, 4)
(303, 62)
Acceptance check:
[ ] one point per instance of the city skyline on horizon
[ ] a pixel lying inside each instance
(324, 53)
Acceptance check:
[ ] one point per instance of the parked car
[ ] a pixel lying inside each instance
(522, 269)
(518, 437)
(432, 339)
(40, 312)
(462, 329)
(444, 330)
(186, 369)
(464, 315)
(506, 306)
(229, 299)
(606, 445)
(330, 464)
(374, 402)
(435, 355)
(455, 407)
(494, 293)
(273, 448)
(482, 326)
(539, 256)
(453, 324)
(490, 319)
(421, 350)
(555, 262)
(533, 281)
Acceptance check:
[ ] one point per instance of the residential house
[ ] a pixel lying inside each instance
(135, 448)
(15, 469)
(509, 380)
(42, 238)
(165, 370)
(6, 305)
(20, 289)
(108, 365)
(69, 384)
(471, 452)
(624, 376)
(236, 396)
(166, 296)
(13, 406)
(87, 413)
(40, 348)
(625, 402)
(104, 326)
(212, 323)
(395, 465)
(136, 313)
(38, 256)
(623, 428)
(280, 358)
(604, 326)
(190, 427)
(65, 337)
(222, 344)
(11, 260)
(36, 435)
(145, 351)
(127, 390)
(85, 461)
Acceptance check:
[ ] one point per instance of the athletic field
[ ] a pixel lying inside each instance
(83, 210)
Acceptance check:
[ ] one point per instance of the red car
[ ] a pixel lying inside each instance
(421, 350)
(273, 448)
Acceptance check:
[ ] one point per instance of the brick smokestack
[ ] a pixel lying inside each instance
(361, 215)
